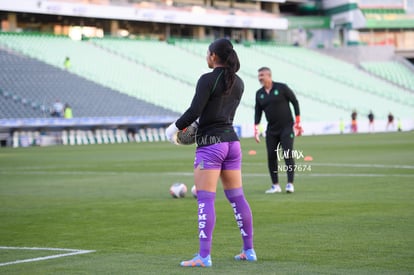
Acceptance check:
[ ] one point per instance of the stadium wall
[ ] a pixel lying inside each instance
(81, 131)
(50, 132)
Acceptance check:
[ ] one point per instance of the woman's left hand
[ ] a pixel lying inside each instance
(171, 133)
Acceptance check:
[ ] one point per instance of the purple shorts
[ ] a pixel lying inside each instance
(219, 156)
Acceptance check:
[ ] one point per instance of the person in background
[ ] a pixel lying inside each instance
(68, 111)
(354, 124)
(370, 122)
(274, 100)
(390, 123)
(341, 126)
(67, 64)
(399, 125)
(57, 109)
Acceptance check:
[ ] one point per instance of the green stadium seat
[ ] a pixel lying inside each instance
(393, 71)
(164, 76)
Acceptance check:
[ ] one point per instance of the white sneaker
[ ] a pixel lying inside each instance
(274, 189)
(290, 188)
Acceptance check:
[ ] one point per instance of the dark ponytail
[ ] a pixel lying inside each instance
(228, 58)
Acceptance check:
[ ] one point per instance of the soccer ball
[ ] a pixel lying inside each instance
(194, 191)
(178, 190)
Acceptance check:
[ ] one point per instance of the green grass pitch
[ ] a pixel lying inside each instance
(353, 213)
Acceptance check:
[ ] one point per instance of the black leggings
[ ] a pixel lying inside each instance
(280, 145)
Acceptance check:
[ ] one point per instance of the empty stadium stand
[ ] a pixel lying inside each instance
(30, 87)
(336, 86)
(357, 83)
(125, 78)
(392, 71)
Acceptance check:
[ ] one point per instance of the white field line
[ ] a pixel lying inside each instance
(363, 165)
(309, 174)
(191, 174)
(31, 171)
(42, 169)
(354, 175)
(352, 165)
(71, 252)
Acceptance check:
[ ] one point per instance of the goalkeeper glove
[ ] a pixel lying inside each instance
(298, 127)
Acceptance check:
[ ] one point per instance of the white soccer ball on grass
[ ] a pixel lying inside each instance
(178, 190)
(194, 191)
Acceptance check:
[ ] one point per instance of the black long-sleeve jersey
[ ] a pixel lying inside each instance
(215, 107)
(276, 107)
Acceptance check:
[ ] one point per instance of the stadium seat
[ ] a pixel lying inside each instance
(47, 83)
(125, 77)
(393, 71)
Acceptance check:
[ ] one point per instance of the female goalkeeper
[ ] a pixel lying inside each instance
(218, 153)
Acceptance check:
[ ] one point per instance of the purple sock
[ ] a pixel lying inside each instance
(206, 220)
(242, 214)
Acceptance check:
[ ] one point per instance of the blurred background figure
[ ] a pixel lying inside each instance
(67, 64)
(354, 124)
(57, 109)
(68, 111)
(370, 122)
(390, 123)
(399, 125)
(341, 126)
